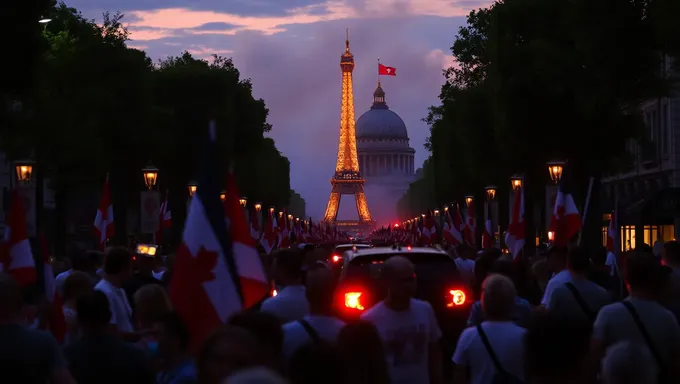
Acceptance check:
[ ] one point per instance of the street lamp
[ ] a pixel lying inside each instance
(280, 213)
(150, 175)
(469, 200)
(491, 192)
(436, 212)
(555, 168)
(516, 182)
(193, 187)
(44, 20)
(290, 217)
(223, 196)
(243, 201)
(271, 210)
(258, 207)
(24, 170)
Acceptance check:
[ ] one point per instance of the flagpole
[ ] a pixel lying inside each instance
(585, 209)
(378, 71)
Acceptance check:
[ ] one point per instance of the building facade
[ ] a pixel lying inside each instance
(386, 159)
(646, 192)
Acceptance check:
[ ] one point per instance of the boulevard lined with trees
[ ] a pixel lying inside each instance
(539, 80)
(81, 104)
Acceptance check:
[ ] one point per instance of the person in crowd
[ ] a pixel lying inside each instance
(628, 363)
(258, 375)
(117, 271)
(600, 273)
(266, 328)
(579, 296)
(671, 259)
(152, 303)
(407, 327)
(496, 336)
(556, 349)
(81, 261)
(316, 363)
(522, 310)
(177, 367)
(465, 262)
(363, 354)
(557, 265)
(76, 285)
(228, 350)
(169, 264)
(290, 304)
(26, 355)
(483, 267)
(159, 268)
(145, 265)
(100, 357)
(640, 318)
(541, 273)
(320, 324)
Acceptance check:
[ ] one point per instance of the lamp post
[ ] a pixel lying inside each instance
(491, 211)
(24, 170)
(223, 196)
(28, 186)
(516, 182)
(469, 200)
(555, 170)
(193, 187)
(243, 201)
(150, 203)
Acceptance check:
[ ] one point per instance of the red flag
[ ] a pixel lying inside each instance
(103, 221)
(16, 257)
(57, 323)
(516, 234)
(270, 235)
(566, 220)
(452, 226)
(384, 70)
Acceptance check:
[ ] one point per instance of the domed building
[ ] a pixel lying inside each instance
(386, 160)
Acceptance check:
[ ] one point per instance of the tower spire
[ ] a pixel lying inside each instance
(347, 40)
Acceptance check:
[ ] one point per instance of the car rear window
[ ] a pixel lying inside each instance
(426, 264)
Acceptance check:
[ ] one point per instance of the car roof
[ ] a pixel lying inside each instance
(379, 251)
(358, 245)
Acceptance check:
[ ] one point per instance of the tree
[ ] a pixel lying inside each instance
(297, 205)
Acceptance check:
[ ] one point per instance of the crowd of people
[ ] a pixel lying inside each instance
(561, 316)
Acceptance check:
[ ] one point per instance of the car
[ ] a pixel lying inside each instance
(439, 283)
(336, 256)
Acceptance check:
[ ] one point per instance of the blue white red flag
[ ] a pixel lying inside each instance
(205, 287)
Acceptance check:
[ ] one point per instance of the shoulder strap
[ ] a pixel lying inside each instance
(489, 350)
(581, 301)
(310, 331)
(643, 331)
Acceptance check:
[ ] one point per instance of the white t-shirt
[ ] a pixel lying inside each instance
(507, 342)
(60, 279)
(557, 280)
(613, 264)
(121, 312)
(289, 305)
(295, 336)
(406, 336)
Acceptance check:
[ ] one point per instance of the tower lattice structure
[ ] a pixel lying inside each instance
(347, 179)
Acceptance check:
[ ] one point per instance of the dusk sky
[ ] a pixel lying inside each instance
(291, 51)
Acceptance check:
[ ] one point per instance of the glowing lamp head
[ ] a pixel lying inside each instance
(469, 200)
(243, 201)
(44, 20)
(150, 174)
(193, 187)
(290, 217)
(516, 181)
(555, 168)
(223, 196)
(258, 207)
(551, 236)
(271, 210)
(436, 212)
(491, 192)
(24, 169)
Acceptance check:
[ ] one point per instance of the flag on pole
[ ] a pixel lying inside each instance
(206, 284)
(514, 238)
(16, 257)
(384, 70)
(270, 234)
(566, 220)
(103, 221)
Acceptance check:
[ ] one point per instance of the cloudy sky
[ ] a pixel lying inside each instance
(291, 50)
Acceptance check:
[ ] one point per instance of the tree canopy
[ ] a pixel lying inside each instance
(537, 80)
(103, 107)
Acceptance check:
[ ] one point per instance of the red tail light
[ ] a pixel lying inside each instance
(336, 258)
(457, 298)
(353, 300)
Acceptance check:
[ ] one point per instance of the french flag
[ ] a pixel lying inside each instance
(57, 323)
(566, 220)
(217, 270)
(452, 226)
(103, 221)
(270, 235)
(16, 257)
(255, 224)
(164, 219)
(514, 237)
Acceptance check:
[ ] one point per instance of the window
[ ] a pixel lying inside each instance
(654, 233)
(627, 237)
(664, 129)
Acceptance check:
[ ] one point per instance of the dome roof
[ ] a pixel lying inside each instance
(379, 122)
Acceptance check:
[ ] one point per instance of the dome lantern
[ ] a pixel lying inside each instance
(379, 98)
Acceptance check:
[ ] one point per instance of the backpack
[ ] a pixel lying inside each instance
(501, 376)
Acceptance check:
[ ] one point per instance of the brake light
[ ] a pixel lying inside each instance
(457, 298)
(274, 293)
(336, 258)
(353, 300)
(408, 248)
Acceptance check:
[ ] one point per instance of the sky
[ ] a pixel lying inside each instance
(291, 51)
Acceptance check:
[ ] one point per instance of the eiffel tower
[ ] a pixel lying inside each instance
(347, 179)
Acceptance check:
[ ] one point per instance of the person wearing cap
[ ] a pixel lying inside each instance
(640, 318)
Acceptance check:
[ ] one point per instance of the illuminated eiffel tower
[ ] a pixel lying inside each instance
(347, 179)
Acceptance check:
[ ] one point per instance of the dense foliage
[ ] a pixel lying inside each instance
(99, 106)
(537, 80)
